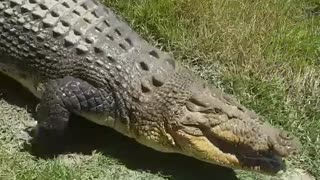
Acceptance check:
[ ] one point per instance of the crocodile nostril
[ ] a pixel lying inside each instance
(295, 151)
(286, 135)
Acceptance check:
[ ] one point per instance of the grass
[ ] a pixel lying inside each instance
(264, 52)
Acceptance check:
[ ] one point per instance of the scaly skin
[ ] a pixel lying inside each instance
(77, 56)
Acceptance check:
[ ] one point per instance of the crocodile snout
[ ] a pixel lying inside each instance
(285, 144)
(215, 128)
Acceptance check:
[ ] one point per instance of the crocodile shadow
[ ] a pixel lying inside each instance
(110, 143)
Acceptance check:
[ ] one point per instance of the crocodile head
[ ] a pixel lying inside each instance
(213, 127)
(188, 116)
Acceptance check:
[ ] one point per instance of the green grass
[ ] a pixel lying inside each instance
(264, 52)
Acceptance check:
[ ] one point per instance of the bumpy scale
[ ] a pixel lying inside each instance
(77, 56)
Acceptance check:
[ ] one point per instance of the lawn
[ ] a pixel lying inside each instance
(264, 52)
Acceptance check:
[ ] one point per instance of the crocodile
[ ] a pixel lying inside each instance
(80, 57)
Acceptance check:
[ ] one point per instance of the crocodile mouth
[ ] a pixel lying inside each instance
(213, 150)
(267, 161)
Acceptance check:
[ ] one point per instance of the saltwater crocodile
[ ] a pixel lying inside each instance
(78, 56)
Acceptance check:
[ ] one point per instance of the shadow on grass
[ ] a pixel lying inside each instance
(84, 137)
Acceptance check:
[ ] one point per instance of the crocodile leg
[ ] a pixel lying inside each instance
(60, 98)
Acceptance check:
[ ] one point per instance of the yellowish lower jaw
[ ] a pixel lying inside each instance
(201, 148)
(198, 147)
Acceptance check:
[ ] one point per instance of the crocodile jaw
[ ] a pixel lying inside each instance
(201, 147)
(213, 127)
(201, 144)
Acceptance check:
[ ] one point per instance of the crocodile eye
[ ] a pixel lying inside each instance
(199, 100)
